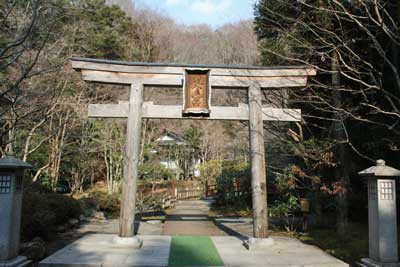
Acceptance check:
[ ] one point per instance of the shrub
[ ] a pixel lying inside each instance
(234, 174)
(43, 211)
(149, 203)
(210, 170)
(286, 208)
(108, 203)
(234, 178)
(154, 171)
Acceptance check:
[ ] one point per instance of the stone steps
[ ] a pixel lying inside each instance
(193, 207)
(195, 204)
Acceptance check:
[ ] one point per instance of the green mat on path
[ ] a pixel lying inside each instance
(193, 251)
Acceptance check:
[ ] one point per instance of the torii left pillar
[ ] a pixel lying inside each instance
(131, 164)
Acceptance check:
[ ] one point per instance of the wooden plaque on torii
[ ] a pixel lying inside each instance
(196, 92)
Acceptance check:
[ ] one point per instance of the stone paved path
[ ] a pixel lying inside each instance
(95, 250)
(110, 226)
(190, 217)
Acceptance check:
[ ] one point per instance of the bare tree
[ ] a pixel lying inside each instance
(111, 139)
(25, 30)
(355, 98)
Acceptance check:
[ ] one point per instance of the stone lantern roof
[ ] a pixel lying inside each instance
(10, 162)
(380, 169)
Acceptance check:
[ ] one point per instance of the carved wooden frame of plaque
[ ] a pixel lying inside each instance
(196, 92)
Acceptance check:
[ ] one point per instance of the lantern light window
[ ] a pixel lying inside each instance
(5, 184)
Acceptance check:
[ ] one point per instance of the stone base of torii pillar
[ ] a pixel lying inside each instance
(371, 263)
(258, 243)
(133, 242)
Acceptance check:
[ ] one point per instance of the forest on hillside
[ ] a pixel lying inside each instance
(48, 100)
(351, 109)
(44, 102)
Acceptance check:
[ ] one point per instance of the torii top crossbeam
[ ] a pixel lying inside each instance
(168, 74)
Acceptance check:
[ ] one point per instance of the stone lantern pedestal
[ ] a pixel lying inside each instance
(382, 219)
(11, 188)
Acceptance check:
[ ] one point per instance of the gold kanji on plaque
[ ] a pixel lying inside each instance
(196, 93)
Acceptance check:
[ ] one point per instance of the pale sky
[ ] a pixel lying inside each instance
(213, 12)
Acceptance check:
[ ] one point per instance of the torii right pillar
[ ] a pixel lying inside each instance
(258, 175)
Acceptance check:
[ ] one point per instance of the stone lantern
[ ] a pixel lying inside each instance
(11, 188)
(382, 220)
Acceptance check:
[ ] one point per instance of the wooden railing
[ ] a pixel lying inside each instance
(188, 193)
(169, 201)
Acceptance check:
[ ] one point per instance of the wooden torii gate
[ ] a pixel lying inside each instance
(197, 82)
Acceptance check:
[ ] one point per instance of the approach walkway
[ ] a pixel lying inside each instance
(190, 217)
(190, 238)
(95, 250)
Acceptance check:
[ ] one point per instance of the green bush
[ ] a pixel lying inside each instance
(285, 211)
(234, 176)
(234, 172)
(154, 171)
(43, 211)
(210, 170)
(108, 203)
(149, 203)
